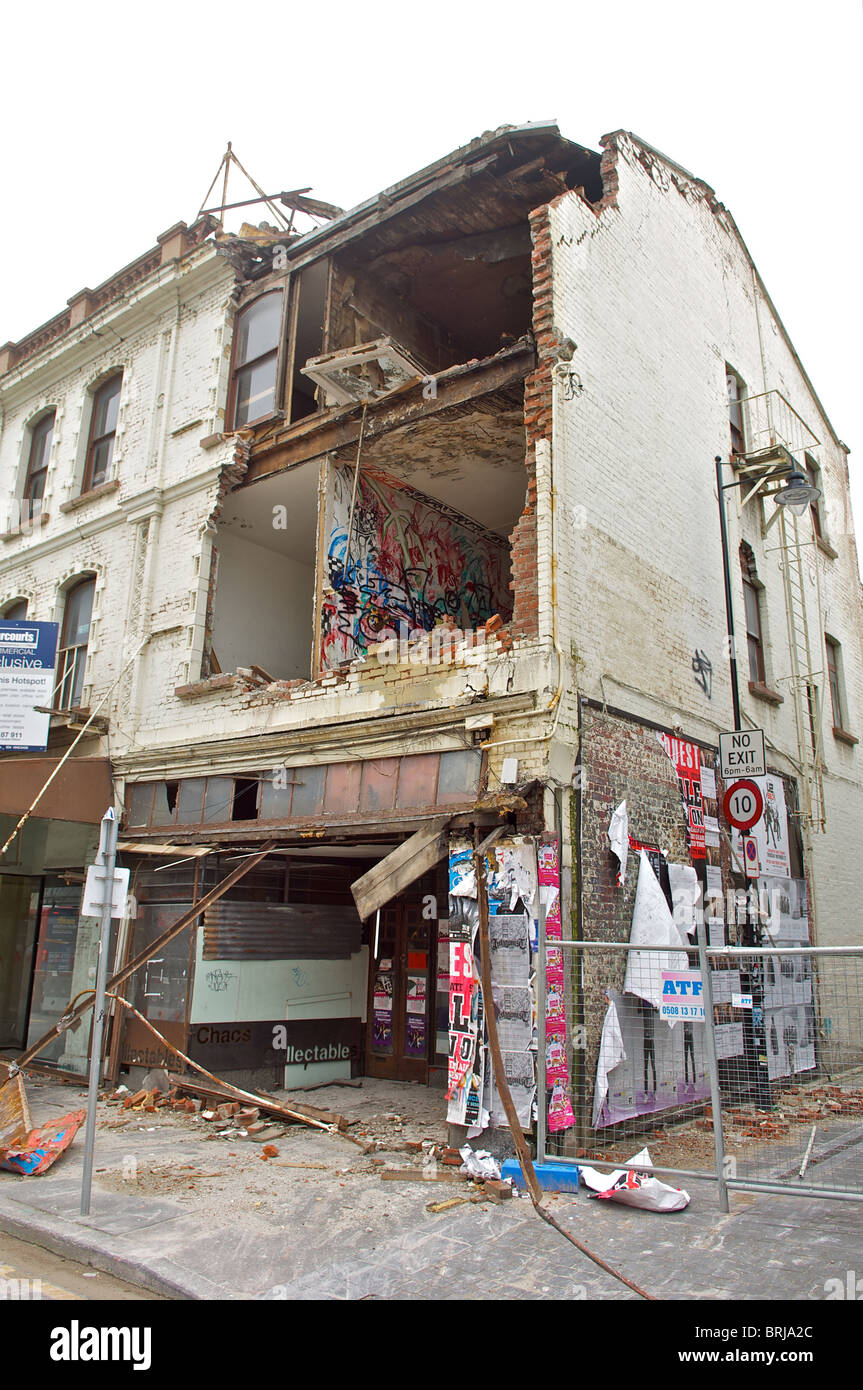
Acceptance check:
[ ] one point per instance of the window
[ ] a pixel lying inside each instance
(41, 435)
(103, 430)
(72, 656)
(257, 332)
(16, 612)
(813, 475)
(834, 675)
(736, 392)
(752, 605)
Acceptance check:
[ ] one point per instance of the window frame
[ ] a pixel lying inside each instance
(834, 680)
(277, 353)
(9, 615)
(813, 473)
(93, 440)
(737, 427)
(80, 649)
(754, 636)
(37, 429)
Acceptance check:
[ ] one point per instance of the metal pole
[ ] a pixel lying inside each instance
(712, 1067)
(105, 861)
(541, 995)
(729, 610)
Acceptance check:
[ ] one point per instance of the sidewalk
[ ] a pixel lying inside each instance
(186, 1213)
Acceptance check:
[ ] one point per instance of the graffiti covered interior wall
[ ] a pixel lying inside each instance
(410, 564)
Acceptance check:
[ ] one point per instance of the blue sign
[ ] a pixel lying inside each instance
(28, 662)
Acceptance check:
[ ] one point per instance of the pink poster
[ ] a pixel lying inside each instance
(560, 1113)
(462, 1014)
(687, 764)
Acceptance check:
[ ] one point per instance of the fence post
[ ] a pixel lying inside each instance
(712, 1067)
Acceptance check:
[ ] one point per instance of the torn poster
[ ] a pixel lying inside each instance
(513, 877)
(462, 1009)
(771, 831)
(685, 897)
(611, 1053)
(618, 838)
(652, 925)
(518, 1068)
(558, 1092)
(686, 758)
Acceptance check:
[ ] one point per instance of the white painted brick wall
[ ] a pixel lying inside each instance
(658, 294)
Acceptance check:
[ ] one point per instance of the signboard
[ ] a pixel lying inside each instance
(741, 754)
(28, 658)
(750, 856)
(682, 996)
(742, 804)
(94, 892)
(305, 1042)
(741, 1001)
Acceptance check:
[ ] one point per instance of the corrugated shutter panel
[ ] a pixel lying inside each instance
(280, 931)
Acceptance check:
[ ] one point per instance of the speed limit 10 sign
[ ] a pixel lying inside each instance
(742, 804)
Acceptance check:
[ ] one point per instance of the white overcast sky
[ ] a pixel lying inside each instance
(117, 116)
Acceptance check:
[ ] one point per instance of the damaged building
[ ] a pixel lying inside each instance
(367, 542)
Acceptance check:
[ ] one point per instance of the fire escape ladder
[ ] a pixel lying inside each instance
(804, 685)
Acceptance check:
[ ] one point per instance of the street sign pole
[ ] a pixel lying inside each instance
(105, 861)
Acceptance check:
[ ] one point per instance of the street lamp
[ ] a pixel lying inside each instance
(797, 494)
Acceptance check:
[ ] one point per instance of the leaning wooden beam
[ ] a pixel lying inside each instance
(78, 1010)
(403, 866)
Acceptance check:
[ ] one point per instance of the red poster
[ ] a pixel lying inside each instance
(687, 764)
(462, 1027)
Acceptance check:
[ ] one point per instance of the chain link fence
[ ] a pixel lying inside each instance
(735, 1065)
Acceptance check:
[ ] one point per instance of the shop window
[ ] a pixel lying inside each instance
(103, 433)
(74, 638)
(257, 333)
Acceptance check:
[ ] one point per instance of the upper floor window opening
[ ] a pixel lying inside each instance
(41, 435)
(16, 612)
(736, 392)
(752, 607)
(813, 475)
(103, 431)
(257, 334)
(74, 640)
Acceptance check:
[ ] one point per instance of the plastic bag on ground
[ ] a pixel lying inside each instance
(479, 1163)
(635, 1189)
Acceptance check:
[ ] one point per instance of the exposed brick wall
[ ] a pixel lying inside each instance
(537, 417)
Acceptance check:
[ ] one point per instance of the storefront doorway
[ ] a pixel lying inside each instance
(19, 919)
(399, 1035)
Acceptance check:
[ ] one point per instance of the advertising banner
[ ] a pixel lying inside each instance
(28, 659)
(686, 758)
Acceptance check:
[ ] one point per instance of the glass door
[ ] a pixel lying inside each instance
(19, 916)
(398, 1032)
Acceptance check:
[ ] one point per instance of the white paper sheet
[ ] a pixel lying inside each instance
(611, 1053)
(652, 925)
(618, 838)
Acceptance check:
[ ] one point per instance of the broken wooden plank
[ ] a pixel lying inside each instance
(403, 866)
(15, 1119)
(269, 1104)
(422, 1175)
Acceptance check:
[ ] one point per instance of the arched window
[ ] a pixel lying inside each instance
(74, 637)
(256, 353)
(39, 453)
(16, 612)
(103, 430)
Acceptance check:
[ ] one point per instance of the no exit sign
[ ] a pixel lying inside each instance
(741, 754)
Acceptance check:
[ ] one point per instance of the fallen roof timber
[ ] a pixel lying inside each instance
(452, 388)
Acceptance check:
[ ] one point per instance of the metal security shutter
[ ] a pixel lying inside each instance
(280, 931)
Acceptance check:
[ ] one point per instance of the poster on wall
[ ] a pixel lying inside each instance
(463, 982)
(686, 758)
(558, 1091)
(382, 1012)
(771, 831)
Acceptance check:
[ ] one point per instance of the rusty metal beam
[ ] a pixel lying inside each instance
(453, 388)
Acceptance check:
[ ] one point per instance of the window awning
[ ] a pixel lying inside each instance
(82, 791)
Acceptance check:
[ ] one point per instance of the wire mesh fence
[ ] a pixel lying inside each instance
(739, 1065)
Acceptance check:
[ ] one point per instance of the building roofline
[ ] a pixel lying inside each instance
(645, 145)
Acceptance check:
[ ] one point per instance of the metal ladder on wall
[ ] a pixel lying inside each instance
(805, 677)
